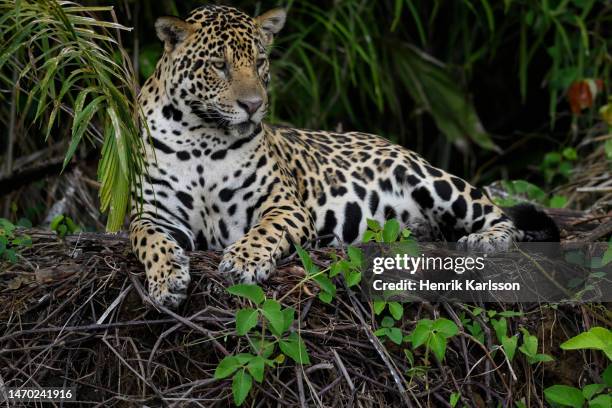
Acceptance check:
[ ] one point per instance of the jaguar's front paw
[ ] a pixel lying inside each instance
(487, 242)
(168, 275)
(246, 265)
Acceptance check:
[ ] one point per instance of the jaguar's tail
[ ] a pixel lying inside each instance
(536, 225)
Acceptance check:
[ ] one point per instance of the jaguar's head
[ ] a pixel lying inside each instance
(215, 64)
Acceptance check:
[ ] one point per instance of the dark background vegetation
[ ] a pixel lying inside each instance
(478, 87)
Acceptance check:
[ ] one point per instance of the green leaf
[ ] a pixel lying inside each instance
(530, 344)
(294, 347)
(325, 297)
(601, 401)
(246, 319)
(256, 368)
(326, 284)
(557, 201)
(241, 385)
(454, 399)
(244, 358)
(433, 88)
(368, 236)
(509, 344)
(564, 395)
(56, 222)
(391, 231)
(396, 309)
(589, 391)
(226, 367)
(607, 257)
(272, 311)
(307, 262)
(288, 318)
(570, 153)
(352, 278)
(501, 328)
(437, 344)
(252, 292)
(355, 256)
(387, 322)
(395, 334)
(373, 225)
(607, 376)
(510, 313)
(421, 332)
(262, 346)
(445, 327)
(378, 306)
(597, 338)
(608, 149)
(544, 358)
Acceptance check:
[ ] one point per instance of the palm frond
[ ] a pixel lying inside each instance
(70, 65)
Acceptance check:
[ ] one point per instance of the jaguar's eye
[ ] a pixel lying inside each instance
(261, 62)
(220, 65)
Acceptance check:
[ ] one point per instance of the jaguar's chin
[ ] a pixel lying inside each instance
(246, 127)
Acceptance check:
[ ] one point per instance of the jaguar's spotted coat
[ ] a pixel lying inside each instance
(219, 178)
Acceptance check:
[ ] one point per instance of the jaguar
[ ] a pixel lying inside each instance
(216, 176)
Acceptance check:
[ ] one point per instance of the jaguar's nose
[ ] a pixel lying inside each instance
(250, 105)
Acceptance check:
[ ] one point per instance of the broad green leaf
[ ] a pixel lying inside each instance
(607, 376)
(542, 358)
(564, 395)
(294, 347)
(378, 306)
(252, 292)
(355, 256)
(597, 338)
(601, 401)
(421, 332)
(509, 344)
(326, 284)
(262, 346)
(325, 297)
(241, 385)
(437, 344)
(395, 334)
(246, 319)
(256, 368)
(530, 344)
(373, 225)
(501, 328)
(589, 391)
(244, 358)
(272, 311)
(226, 367)
(368, 236)
(445, 327)
(387, 322)
(391, 231)
(352, 278)
(288, 318)
(307, 262)
(396, 309)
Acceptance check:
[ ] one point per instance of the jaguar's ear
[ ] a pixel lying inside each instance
(271, 22)
(172, 31)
